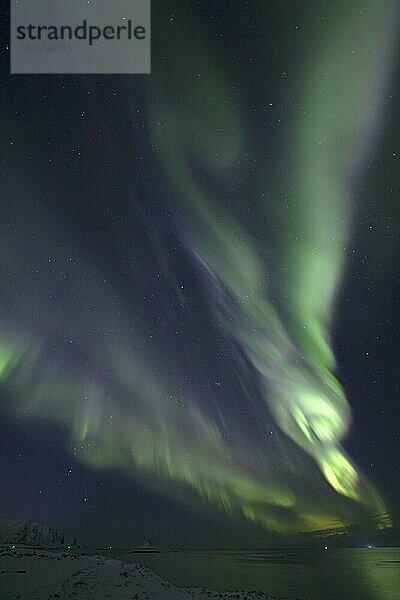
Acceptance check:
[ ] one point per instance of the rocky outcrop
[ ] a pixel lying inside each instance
(30, 533)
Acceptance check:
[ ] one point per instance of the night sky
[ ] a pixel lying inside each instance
(199, 282)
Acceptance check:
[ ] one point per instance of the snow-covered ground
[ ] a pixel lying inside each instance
(33, 574)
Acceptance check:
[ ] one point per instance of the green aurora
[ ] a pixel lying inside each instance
(272, 274)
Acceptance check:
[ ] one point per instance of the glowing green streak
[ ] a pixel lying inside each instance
(4, 358)
(10, 351)
(336, 105)
(339, 98)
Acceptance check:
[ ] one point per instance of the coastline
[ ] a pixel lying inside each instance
(38, 574)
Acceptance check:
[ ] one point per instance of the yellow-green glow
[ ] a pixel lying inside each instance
(332, 120)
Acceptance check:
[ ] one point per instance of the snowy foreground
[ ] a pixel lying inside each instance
(32, 574)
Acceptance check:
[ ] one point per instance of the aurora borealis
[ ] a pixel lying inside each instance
(175, 249)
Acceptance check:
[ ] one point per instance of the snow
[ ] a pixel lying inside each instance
(35, 574)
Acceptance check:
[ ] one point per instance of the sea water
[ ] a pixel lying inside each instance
(326, 574)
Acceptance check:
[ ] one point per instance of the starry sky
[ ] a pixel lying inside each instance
(199, 294)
